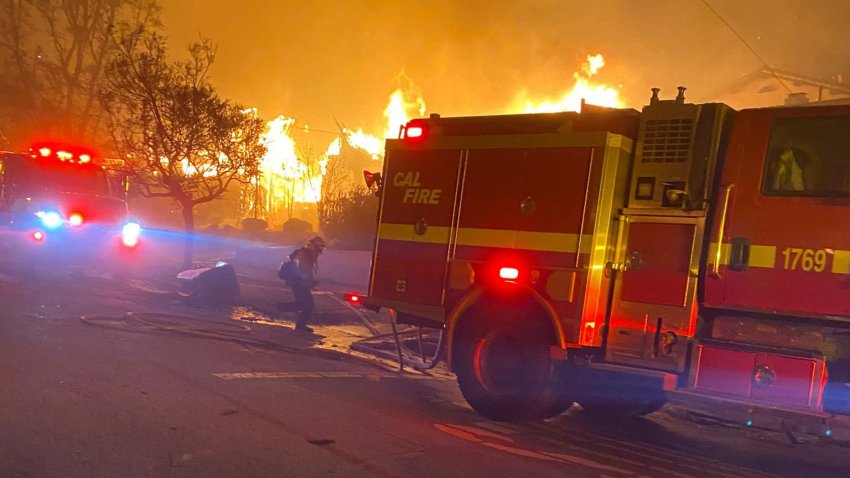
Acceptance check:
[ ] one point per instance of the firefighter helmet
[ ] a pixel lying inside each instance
(317, 242)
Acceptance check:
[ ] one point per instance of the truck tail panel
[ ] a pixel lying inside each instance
(521, 191)
(418, 206)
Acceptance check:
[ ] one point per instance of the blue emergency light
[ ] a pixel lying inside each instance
(50, 219)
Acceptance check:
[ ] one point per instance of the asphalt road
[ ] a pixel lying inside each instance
(86, 391)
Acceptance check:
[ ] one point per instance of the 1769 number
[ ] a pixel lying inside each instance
(805, 259)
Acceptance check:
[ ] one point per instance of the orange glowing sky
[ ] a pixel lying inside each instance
(313, 59)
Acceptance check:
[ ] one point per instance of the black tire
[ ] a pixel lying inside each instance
(618, 395)
(506, 374)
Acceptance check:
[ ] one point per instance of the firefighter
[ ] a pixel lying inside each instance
(788, 174)
(307, 259)
(796, 167)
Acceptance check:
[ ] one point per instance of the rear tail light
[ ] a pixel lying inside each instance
(415, 131)
(130, 234)
(509, 273)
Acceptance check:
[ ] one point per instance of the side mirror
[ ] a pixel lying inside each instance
(373, 179)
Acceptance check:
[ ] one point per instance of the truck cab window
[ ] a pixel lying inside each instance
(808, 157)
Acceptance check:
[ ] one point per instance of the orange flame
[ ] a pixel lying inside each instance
(601, 95)
(404, 103)
(362, 140)
(287, 177)
(281, 171)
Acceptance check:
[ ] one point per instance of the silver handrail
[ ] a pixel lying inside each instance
(721, 231)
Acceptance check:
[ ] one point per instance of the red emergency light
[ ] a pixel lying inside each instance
(415, 131)
(508, 273)
(353, 298)
(64, 153)
(75, 219)
(38, 236)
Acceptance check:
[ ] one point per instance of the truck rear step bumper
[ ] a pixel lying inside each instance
(765, 416)
(733, 410)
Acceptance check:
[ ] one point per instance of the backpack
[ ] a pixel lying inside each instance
(289, 269)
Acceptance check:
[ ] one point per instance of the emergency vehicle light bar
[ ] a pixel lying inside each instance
(63, 153)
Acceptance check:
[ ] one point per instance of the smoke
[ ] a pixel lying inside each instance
(311, 60)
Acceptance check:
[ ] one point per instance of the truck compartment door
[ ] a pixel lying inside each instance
(654, 312)
(414, 229)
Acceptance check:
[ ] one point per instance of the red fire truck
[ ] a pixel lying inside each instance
(57, 207)
(688, 253)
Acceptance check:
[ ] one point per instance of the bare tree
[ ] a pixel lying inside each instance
(347, 209)
(335, 183)
(179, 139)
(53, 54)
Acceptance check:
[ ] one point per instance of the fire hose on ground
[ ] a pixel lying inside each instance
(404, 355)
(236, 332)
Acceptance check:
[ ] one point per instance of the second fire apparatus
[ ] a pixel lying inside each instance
(57, 207)
(623, 259)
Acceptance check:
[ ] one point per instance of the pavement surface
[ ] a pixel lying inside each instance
(105, 378)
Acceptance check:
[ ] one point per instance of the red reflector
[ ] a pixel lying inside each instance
(38, 235)
(508, 273)
(75, 219)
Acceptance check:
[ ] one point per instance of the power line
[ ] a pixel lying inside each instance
(309, 129)
(752, 50)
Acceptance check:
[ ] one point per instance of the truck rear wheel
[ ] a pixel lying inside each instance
(506, 374)
(618, 395)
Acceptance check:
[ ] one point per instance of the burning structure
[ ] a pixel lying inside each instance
(294, 177)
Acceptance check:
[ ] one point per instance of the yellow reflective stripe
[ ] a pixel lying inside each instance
(760, 256)
(765, 257)
(535, 241)
(405, 232)
(724, 253)
(529, 240)
(841, 262)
